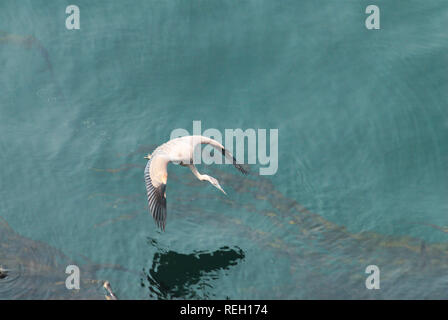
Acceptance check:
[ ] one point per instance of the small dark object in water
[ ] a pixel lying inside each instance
(3, 273)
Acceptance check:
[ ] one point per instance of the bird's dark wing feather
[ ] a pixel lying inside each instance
(226, 153)
(156, 195)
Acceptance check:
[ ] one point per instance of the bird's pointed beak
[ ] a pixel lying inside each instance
(148, 156)
(219, 187)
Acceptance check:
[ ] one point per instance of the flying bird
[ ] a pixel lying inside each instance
(178, 151)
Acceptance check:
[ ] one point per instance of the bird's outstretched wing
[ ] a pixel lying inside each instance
(226, 153)
(155, 179)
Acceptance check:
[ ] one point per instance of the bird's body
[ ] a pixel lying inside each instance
(178, 151)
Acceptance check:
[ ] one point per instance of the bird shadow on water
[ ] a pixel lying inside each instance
(176, 275)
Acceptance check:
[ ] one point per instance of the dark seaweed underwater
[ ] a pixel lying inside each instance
(362, 176)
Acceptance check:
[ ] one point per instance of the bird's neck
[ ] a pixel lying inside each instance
(201, 177)
(204, 177)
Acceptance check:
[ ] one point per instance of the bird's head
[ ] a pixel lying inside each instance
(215, 183)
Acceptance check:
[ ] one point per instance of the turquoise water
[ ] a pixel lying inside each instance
(362, 176)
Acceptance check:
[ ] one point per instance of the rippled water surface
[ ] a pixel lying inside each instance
(362, 176)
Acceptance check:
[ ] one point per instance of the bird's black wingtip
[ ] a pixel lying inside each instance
(241, 169)
(160, 225)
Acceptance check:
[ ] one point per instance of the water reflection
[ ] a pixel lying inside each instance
(188, 276)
